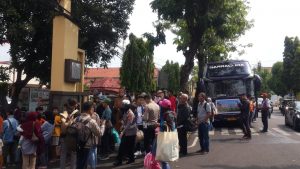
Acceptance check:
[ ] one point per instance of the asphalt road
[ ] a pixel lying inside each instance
(277, 149)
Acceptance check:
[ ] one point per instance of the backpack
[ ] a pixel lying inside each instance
(77, 135)
(213, 109)
(47, 129)
(66, 120)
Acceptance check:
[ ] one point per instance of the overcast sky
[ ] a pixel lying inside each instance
(273, 20)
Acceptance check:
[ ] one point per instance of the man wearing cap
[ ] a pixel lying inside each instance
(106, 139)
(265, 111)
(245, 115)
(203, 114)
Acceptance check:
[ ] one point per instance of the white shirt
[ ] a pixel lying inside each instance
(266, 103)
(203, 111)
(140, 112)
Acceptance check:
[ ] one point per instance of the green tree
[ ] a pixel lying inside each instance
(137, 70)
(291, 64)
(172, 70)
(4, 77)
(265, 76)
(27, 26)
(197, 22)
(276, 83)
(288, 57)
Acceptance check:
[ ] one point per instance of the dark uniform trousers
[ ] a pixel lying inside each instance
(246, 125)
(182, 136)
(149, 135)
(264, 118)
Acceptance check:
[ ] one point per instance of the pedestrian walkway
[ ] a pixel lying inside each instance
(255, 132)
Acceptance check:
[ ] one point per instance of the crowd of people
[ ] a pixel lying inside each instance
(81, 134)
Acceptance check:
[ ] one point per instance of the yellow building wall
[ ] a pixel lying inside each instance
(65, 46)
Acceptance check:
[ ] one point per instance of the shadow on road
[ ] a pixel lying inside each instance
(287, 128)
(233, 140)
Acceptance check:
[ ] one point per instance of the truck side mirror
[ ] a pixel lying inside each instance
(257, 82)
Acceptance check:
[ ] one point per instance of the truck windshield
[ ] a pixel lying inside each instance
(230, 88)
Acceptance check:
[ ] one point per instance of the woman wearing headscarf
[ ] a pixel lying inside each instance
(31, 138)
(167, 122)
(127, 136)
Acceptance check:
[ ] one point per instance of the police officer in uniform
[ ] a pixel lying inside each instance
(265, 112)
(245, 115)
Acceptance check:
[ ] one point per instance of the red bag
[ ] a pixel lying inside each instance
(150, 162)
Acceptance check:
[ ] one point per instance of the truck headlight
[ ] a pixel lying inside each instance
(298, 116)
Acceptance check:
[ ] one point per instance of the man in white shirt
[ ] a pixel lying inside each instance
(139, 120)
(265, 112)
(203, 115)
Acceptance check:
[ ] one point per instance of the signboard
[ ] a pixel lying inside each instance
(72, 71)
(38, 97)
(233, 68)
(226, 65)
(226, 106)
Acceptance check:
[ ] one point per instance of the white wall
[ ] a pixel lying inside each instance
(13, 76)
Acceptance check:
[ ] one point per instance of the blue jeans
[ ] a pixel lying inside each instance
(165, 165)
(82, 156)
(92, 159)
(210, 127)
(63, 156)
(203, 136)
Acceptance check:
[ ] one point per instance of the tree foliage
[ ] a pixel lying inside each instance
(172, 70)
(27, 26)
(199, 24)
(102, 25)
(137, 69)
(4, 77)
(276, 83)
(291, 64)
(265, 76)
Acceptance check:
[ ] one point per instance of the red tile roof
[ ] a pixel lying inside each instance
(5, 62)
(107, 84)
(109, 72)
(101, 72)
